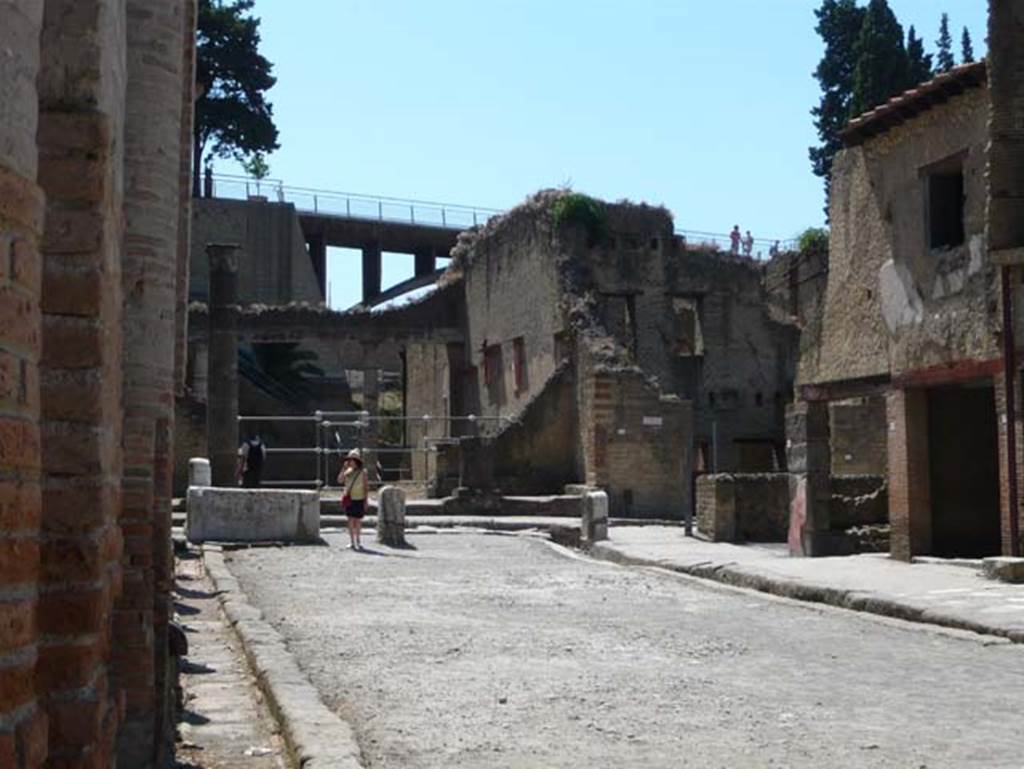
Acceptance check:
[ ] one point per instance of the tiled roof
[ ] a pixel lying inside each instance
(906, 105)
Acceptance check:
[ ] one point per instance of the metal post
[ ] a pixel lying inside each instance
(380, 210)
(315, 209)
(348, 207)
(412, 214)
(444, 221)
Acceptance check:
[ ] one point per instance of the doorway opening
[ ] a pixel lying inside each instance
(963, 461)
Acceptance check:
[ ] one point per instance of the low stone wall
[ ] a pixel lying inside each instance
(252, 515)
(858, 500)
(734, 507)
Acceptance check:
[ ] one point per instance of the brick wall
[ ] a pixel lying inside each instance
(635, 443)
(743, 507)
(23, 725)
(63, 561)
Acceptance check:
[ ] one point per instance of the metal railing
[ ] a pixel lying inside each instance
(352, 205)
(357, 424)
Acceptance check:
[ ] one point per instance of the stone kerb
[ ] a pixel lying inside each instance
(199, 472)
(252, 515)
(595, 517)
(391, 517)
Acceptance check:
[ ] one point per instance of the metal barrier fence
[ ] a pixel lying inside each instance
(353, 205)
(357, 424)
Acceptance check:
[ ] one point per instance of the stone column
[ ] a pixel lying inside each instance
(198, 471)
(200, 383)
(810, 462)
(391, 517)
(371, 271)
(222, 401)
(909, 482)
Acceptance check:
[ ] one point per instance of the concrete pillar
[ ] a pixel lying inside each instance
(426, 263)
(810, 461)
(391, 517)
(909, 480)
(595, 517)
(371, 271)
(222, 402)
(318, 256)
(199, 471)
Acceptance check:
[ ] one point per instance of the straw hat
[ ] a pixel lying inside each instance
(354, 454)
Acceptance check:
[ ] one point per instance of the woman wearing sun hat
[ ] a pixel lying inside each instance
(353, 479)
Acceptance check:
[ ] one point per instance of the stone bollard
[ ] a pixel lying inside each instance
(199, 472)
(391, 517)
(595, 517)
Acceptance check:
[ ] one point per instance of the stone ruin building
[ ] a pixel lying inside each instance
(95, 151)
(920, 320)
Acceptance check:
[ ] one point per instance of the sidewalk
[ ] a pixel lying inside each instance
(941, 594)
(225, 724)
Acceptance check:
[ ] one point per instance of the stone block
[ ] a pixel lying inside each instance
(1004, 569)
(199, 472)
(252, 515)
(595, 517)
(391, 517)
(577, 489)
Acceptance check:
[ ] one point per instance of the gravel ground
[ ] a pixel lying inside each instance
(476, 651)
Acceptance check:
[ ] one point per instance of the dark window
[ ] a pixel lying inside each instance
(946, 206)
(758, 399)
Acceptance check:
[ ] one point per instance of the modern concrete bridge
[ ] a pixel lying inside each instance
(375, 225)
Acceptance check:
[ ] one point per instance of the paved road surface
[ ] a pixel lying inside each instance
(489, 651)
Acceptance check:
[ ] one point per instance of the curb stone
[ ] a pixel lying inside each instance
(867, 602)
(316, 737)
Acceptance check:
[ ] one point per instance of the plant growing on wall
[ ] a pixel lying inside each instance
(233, 117)
(583, 211)
(813, 240)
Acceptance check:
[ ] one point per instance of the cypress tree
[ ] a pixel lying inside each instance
(967, 48)
(882, 66)
(919, 63)
(839, 23)
(944, 58)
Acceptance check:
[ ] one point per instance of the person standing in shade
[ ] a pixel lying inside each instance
(355, 485)
(734, 240)
(249, 470)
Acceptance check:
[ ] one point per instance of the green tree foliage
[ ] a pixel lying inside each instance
(839, 24)
(944, 58)
(233, 117)
(966, 47)
(919, 63)
(882, 67)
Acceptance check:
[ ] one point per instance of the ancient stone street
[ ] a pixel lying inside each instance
(500, 651)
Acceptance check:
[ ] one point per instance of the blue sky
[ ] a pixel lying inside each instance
(700, 106)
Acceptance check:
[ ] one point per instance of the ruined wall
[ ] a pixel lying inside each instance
(858, 436)
(634, 442)
(892, 305)
(426, 392)
(536, 455)
(512, 291)
(743, 507)
(275, 267)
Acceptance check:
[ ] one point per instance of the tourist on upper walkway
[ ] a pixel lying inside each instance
(748, 244)
(774, 250)
(352, 477)
(249, 470)
(734, 239)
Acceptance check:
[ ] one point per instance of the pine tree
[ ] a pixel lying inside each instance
(968, 49)
(919, 63)
(839, 23)
(882, 66)
(944, 58)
